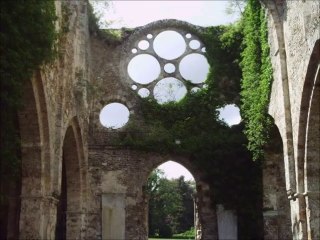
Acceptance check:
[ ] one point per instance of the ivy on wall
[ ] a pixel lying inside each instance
(191, 126)
(257, 78)
(27, 40)
(240, 73)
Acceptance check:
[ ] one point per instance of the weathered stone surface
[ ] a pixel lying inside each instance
(294, 33)
(66, 163)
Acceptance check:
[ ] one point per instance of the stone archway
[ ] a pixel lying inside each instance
(206, 219)
(35, 159)
(309, 140)
(72, 198)
(276, 206)
(156, 198)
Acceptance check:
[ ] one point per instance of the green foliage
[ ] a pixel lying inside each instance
(257, 77)
(223, 47)
(189, 234)
(165, 204)
(26, 41)
(207, 141)
(170, 205)
(111, 36)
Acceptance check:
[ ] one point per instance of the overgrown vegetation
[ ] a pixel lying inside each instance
(26, 41)
(170, 206)
(257, 77)
(111, 36)
(240, 73)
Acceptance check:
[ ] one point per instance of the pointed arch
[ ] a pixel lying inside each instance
(276, 206)
(35, 159)
(72, 198)
(309, 142)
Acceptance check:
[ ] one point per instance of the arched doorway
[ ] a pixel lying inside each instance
(276, 206)
(35, 159)
(171, 191)
(309, 137)
(69, 210)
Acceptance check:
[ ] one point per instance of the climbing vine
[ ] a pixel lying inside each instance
(110, 36)
(191, 126)
(257, 77)
(26, 41)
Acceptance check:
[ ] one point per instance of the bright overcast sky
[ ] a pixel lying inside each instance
(138, 13)
(132, 14)
(174, 170)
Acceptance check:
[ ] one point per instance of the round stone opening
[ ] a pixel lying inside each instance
(134, 87)
(134, 50)
(169, 90)
(194, 68)
(114, 115)
(144, 68)
(143, 44)
(194, 44)
(169, 45)
(169, 68)
(144, 92)
(230, 114)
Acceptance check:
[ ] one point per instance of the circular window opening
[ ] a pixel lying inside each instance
(144, 68)
(169, 45)
(195, 89)
(149, 36)
(194, 68)
(194, 44)
(169, 68)
(188, 35)
(203, 49)
(143, 45)
(144, 92)
(230, 114)
(169, 90)
(134, 50)
(134, 87)
(114, 115)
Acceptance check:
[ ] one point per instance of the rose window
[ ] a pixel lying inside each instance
(166, 65)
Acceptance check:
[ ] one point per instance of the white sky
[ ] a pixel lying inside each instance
(230, 114)
(138, 13)
(174, 170)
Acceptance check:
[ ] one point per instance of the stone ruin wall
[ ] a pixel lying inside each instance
(118, 172)
(56, 100)
(294, 33)
(87, 75)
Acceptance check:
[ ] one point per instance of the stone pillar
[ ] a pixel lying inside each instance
(207, 214)
(74, 224)
(31, 224)
(38, 217)
(276, 206)
(49, 216)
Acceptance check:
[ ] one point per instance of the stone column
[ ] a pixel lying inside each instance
(207, 215)
(31, 217)
(38, 217)
(276, 206)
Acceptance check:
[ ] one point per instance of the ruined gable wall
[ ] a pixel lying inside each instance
(116, 172)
